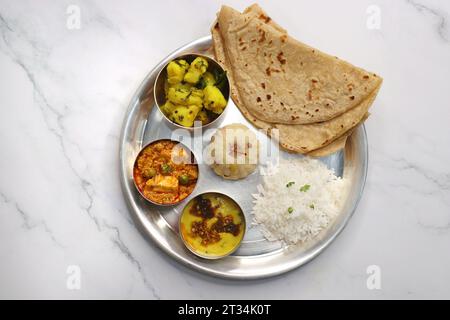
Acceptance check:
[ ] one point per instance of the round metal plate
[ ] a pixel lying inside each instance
(256, 258)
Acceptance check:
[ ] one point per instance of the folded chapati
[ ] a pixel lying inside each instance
(281, 80)
(333, 147)
(337, 144)
(324, 137)
(308, 137)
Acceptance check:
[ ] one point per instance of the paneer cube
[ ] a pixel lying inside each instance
(160, 183)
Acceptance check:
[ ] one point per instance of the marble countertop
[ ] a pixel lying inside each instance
(64, 89)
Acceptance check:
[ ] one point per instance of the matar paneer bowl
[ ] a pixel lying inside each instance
(192, 91)
(212, 225)
(165, 172)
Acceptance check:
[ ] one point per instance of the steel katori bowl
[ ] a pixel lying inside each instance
(182, 230)
(192, 160)
(160, 94)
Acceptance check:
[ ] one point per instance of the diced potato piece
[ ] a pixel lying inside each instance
(193, 111)
(185, 116)
(213, 99)
(192, 76)
(178, 95)
(183, 63)
(195, 98)
(209, 79)
(160, 183)
(197, 68)
(175, 72)
(183, 86)
(200, 64)
(179, 115)
(167, 108)
(202, 116)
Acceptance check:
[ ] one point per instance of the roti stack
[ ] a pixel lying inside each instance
(308, 100)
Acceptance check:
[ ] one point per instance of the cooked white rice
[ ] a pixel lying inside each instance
(290, 215)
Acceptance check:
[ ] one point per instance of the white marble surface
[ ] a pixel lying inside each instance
(64, 93)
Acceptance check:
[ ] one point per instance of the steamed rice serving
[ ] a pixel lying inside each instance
(298, 199)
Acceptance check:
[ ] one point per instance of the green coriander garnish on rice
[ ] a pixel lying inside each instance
(294, 217)
(305, 188)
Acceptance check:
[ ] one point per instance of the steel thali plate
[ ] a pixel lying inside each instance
(257, 257)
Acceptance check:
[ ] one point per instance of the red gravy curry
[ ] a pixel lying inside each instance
(165, 172)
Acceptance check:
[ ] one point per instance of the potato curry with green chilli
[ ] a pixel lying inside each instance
(193, 93)
(165, 172)
(212, 225)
